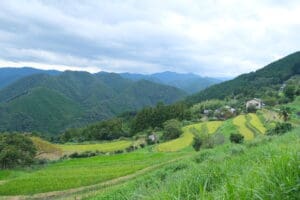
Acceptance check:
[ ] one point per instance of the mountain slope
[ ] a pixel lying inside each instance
(53, 103)
(9, 75)
(253, 84)
(190, 83)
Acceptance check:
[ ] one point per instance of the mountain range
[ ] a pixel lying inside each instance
(54, 101)
(190, 83)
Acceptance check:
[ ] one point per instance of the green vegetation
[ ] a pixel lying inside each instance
(236, 138)
(263, 169)
(262, 83)
(172, 129)
(81, 172)
(16, 150)
(71, 99)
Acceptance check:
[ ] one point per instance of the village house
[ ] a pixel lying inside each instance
(256, 103)
(153, 138)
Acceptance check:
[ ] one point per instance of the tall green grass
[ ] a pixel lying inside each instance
(264, 168)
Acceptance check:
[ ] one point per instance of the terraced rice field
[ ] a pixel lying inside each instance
(213, 126)
(103, 147)
(256, 123)
(46, 150)
(187, 137)
(79, 172)
(240, 121)
(180, 143)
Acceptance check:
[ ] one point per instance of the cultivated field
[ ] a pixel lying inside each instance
(240, 121)
(102, 147)
(79, 172)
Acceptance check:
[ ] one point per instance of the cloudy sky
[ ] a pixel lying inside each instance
(210, 38)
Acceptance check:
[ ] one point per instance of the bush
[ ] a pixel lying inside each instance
(172, 129)
(85, 154)
(197, 143)
(16, 150)
(280, 129)
(236, 138)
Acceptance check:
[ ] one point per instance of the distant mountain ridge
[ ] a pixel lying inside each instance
(48, 103)
(191, 83)
(9, 75)
(253, 84)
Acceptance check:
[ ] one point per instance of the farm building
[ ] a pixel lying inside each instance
(256, 103)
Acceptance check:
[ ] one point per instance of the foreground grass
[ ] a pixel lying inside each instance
(78, 172)
(264, 168)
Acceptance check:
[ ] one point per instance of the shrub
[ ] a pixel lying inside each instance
(142, 145)
(280, 129)
(236, 138)
(172, 129)
(85, 154)
(16, 150)
(197, 143)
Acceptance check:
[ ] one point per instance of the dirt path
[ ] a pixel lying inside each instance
(70, 193)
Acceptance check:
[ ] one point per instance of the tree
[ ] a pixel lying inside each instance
(197, 142)
(16, 150)
(172, 129)
(285, 113)
(280, 129)
(236, 138)
(289, 91)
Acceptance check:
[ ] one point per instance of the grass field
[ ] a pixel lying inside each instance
(265, 168)
(78, 172)
(103, 147)
(256, 123)
(240, 122)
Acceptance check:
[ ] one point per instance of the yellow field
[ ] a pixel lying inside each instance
(240, 122)
(45, 149)
(180, 143)
(255, 122)
(213, 126)
(103, 147)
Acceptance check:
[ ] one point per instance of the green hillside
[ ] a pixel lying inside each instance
(53, 103)
(254, 84)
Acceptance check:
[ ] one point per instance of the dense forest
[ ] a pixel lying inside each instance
(46, 103)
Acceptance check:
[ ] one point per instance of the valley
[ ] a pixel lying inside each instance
(216, 148)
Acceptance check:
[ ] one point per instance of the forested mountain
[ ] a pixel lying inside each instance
(9, 75)
(254, 84)
(48, 103)
(191, 83)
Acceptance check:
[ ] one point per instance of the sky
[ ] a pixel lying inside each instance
(217, 38)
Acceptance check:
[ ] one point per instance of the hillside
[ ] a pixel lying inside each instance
(254, 84)
(9, 75)
(47, 103)
(190, 83)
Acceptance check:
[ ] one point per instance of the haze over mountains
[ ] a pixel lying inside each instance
(191, 83)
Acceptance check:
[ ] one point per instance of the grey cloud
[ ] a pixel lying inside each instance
(213, 38)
